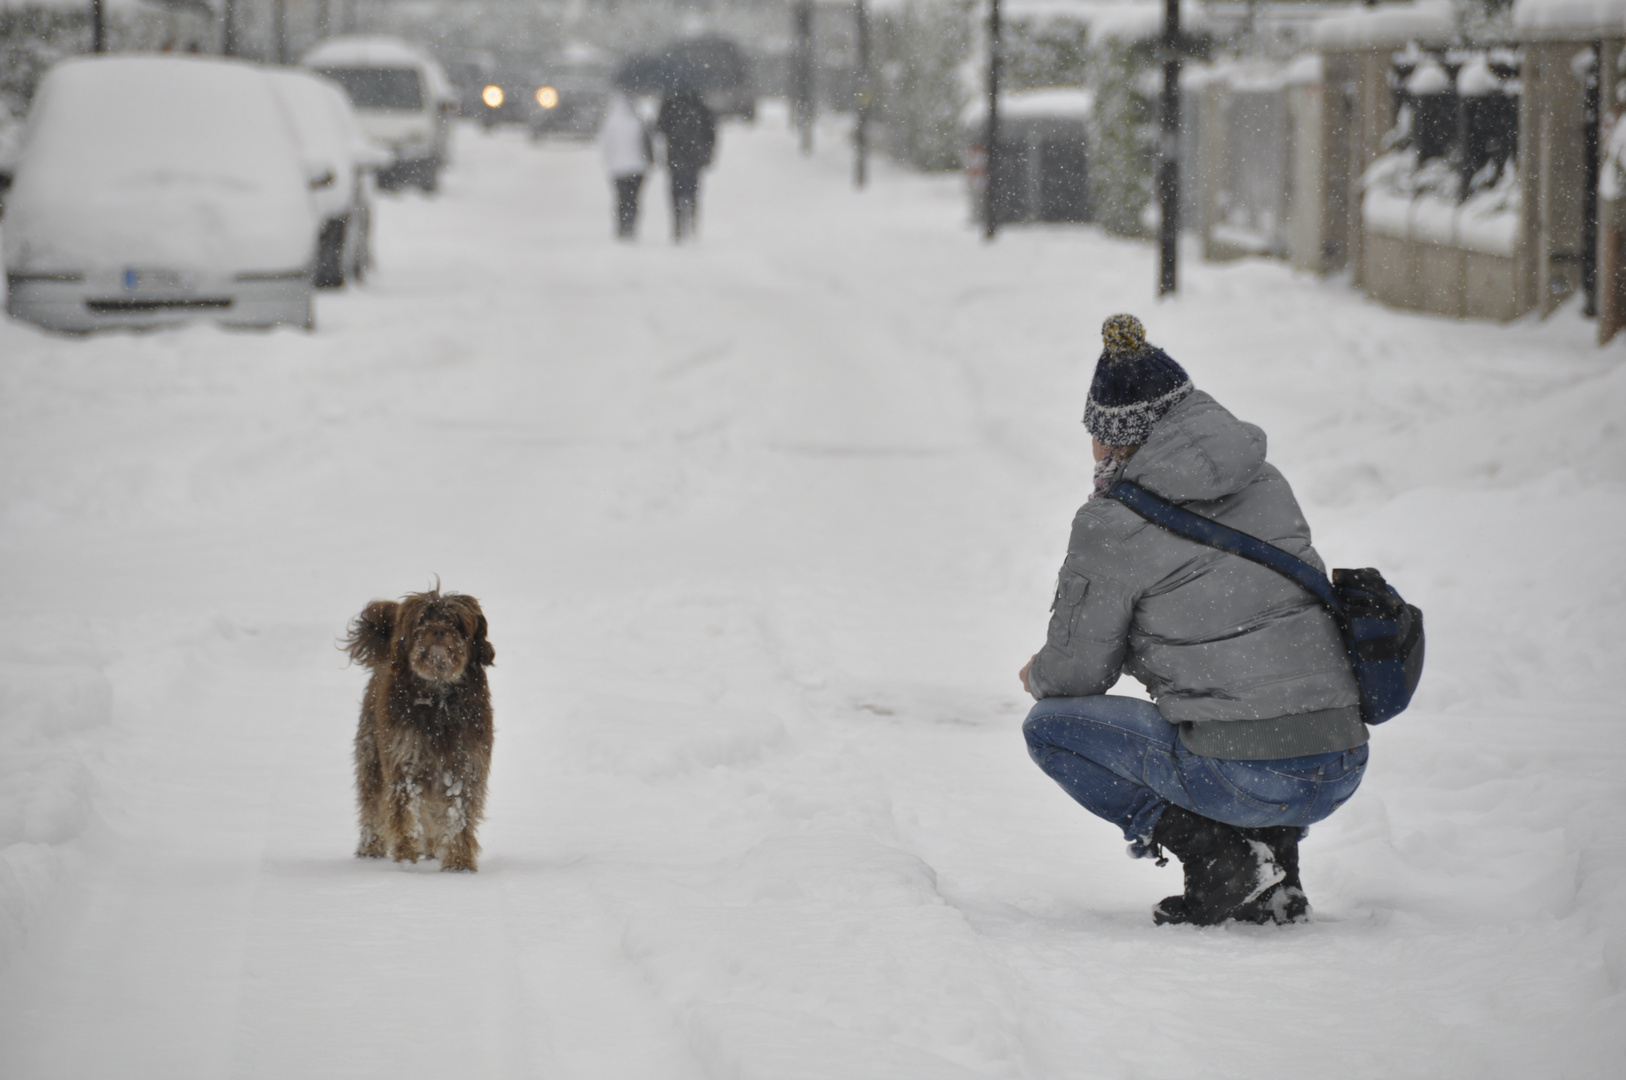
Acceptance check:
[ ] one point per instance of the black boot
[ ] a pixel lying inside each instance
(1225, 871)
(1284, 902)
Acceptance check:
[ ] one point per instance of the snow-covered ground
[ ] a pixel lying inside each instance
(764, 527)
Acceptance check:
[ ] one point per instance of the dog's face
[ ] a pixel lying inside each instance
(437, 638)
(441, 635)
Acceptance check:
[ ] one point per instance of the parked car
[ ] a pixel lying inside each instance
(340, 157)
(469, 71)
(156, 189)
(402, 97)
(11, 138)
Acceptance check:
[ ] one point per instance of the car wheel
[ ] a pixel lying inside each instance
(330, 255)
(362, 256)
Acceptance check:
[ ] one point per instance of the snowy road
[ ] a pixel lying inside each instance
(764, 528)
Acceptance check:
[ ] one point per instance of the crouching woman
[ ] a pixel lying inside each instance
(1256, 732)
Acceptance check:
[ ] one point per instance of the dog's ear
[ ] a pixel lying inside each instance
(369, 639)
(483, 652)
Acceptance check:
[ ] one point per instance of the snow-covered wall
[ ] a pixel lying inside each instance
(1382, 26)
(1565, 19)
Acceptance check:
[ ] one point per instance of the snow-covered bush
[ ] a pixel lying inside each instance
(1121, 153)
(922, 47)
(1045, 47)
(31, 40)
(33, 36)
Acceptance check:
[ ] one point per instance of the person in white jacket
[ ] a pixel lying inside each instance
(624, 141)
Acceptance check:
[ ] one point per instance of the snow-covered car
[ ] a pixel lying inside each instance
(402, 97)
(156, 189)
(509, 95)
(341, 160)
(11, 137)
(570, 105)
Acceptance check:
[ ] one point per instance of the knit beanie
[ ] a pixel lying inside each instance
(1134, 385)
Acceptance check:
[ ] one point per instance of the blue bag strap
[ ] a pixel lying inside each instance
(1183, 522)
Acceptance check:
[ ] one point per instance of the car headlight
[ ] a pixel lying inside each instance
(547, 97)
(492, 96)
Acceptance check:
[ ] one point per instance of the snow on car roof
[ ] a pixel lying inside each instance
(326, 128)
(324, 119)
(186, 160)
(377, 51)
(367, 50)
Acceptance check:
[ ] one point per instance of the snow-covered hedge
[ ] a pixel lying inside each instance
(34, 34)
(922, 47)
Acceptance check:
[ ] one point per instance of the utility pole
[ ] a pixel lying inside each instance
(990, 187)
(98, 27)
(863, 99)
(802, 73)
(279, 31)
(1591, 109)
(228, 28)
(1168, 165)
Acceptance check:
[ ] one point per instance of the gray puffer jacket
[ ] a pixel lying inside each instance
(1248, 664)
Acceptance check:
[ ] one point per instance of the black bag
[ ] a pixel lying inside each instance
(1384, 634)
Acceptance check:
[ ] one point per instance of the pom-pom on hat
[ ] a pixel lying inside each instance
(1135, 384)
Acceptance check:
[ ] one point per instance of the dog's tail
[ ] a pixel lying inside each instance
(369, 639)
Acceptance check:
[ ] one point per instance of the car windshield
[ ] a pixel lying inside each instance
(379, 87)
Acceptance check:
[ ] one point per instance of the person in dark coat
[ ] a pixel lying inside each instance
(1256, 732)
(690, 131)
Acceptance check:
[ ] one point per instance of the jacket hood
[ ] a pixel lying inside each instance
(1198, 451)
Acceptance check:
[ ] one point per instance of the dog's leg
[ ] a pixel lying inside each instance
(405, 831)
(466, 796)
(369, 796)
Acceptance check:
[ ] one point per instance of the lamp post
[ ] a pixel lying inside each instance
(802, 73)
(990, 192)
(98, 27)
(279, 31)
(863, 99)
(1168, 165)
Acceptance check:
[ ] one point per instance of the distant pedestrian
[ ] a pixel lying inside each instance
(691, 136)
(624, 141)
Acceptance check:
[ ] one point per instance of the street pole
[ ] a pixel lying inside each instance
(279, 31)
(802, 75)
(1591, 110)
(98, 27)
(228, 28)
(990, 194)
(863, 100)
(1168, 167)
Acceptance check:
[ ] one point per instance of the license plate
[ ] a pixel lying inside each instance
(142, 280)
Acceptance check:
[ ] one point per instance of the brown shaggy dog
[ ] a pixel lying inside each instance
(423, 747)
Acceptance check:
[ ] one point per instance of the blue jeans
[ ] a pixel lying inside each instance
(1123, 762)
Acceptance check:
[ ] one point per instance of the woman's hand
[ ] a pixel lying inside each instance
(1023, 674)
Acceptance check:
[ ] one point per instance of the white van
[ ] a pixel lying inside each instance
(341, 160)
(156, 189)
(402, 97)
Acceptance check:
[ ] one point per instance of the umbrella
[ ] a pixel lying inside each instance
(686, 65)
